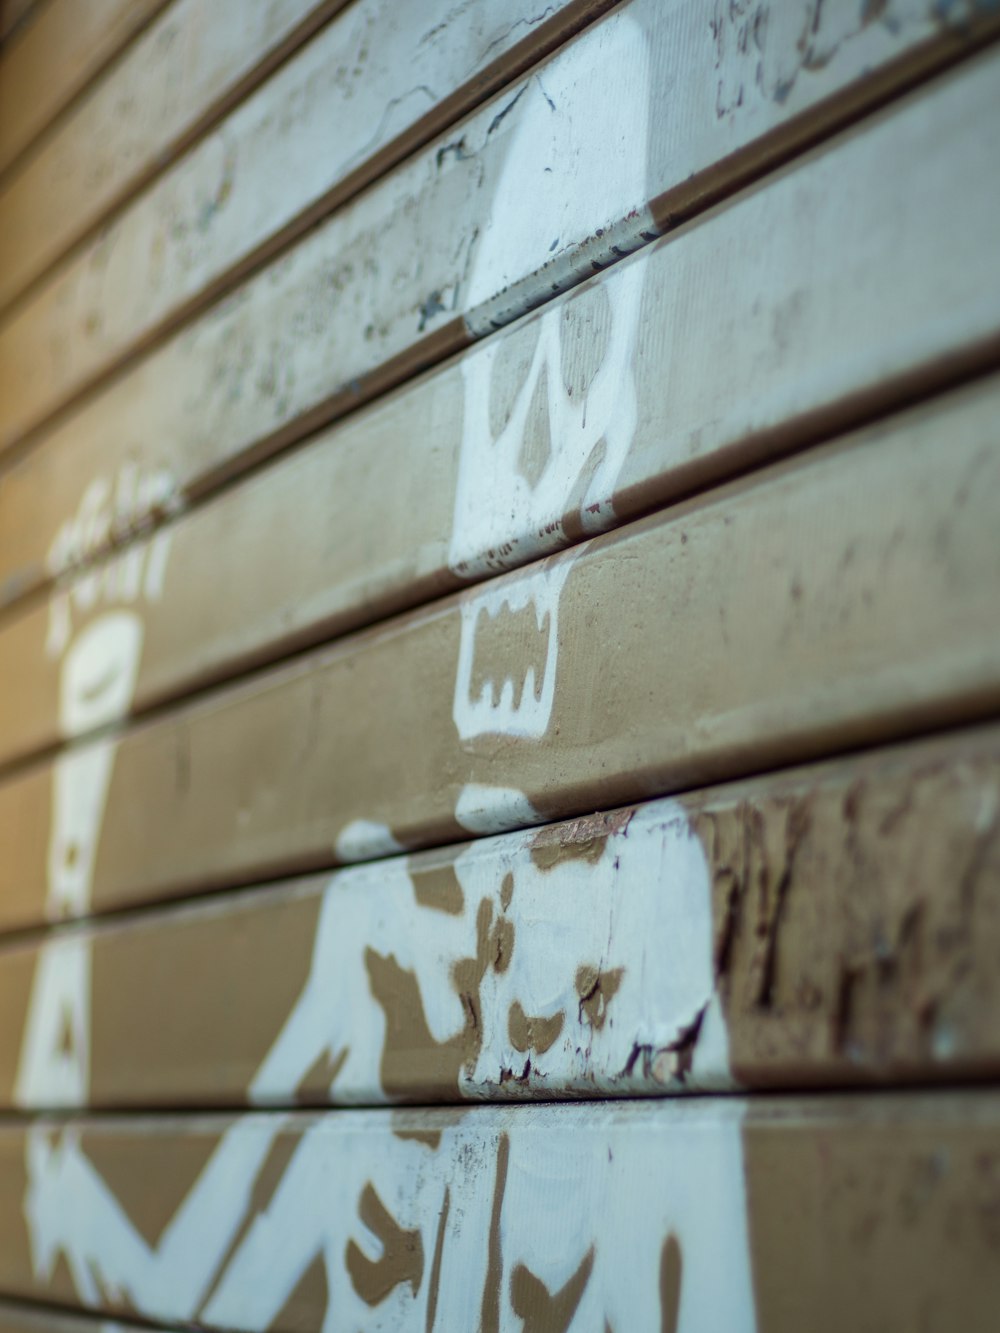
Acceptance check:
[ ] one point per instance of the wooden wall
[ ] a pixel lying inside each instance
(500, 603)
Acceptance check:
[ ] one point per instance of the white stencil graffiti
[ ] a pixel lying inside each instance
(626, 973)
(640, 927)
(553, 1197)
(506, 513)
(111, 511)
(96, 687)
(71, 1212)
(54, 1068)
(522, 613)
(97, 680)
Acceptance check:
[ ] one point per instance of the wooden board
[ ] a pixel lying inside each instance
(825, 255)
(201, 59)
(838, 925)
(506, 449)
(197, 61)
(428, 259)
(268, 171)
(872, 1213)
(18, 1318)
(66, 45)
(13, 13)
(841, 598)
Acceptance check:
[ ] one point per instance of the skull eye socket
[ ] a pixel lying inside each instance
(585, 336)
(536, 443)
(511, 367)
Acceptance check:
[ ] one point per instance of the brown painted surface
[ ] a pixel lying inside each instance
(251, 384)
(820, 1201)
(868, 1212)
(866, 612)
(191, 65)
(242, 978)
(16, 1318)
(854, 926)
(53, 58)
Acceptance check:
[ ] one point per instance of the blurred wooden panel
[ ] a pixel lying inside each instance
(15, 1318)
(328, 122)
(831, 256)
(846, 597)
(804, 292)
(13, 13)
(198, 60)
(65, 46)
(873, 1212)
(836, 925)
(446, 245)
(203, 57)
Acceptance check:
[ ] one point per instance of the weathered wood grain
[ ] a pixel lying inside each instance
(201, 58)
(836, 925)
(820, 262)
(822, 1213)
(267, 172)
(198, 60)
(13, 13)
(17, 1318)
(57, 55)
(803, 291)
(843, 597)
(460, 260)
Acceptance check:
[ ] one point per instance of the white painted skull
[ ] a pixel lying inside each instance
(550, 409)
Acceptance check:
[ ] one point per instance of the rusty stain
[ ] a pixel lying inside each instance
(579, 839)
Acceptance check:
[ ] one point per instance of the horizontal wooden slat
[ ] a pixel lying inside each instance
(824, 1213)
(267, 172)
(200, 58)
(57, 55)
(22, 1318)
(803, 290)
(841, 598)
(13, 13)
(247, 372)
(834, 925)
(458, 263)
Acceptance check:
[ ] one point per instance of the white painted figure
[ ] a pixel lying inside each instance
(98, 675)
